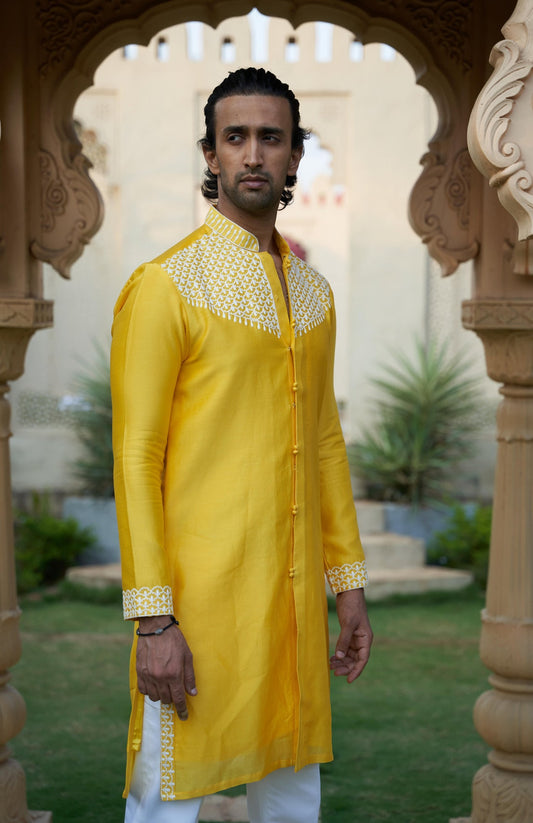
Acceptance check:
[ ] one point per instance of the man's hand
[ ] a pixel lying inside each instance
(355, 638)
(164, 665)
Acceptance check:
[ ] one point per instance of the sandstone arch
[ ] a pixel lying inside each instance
(50, 210)
(71, 210)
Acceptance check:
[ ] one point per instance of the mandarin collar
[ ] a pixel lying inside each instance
(236, 234)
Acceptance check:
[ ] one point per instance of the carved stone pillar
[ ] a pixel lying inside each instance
(499, 140)
(18, 320)
(503, 789)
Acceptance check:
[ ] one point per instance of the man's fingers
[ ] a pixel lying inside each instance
(189, 679)
(165, 670)
(180, 702)
(354, 660)
(360, 658)
(343, 643)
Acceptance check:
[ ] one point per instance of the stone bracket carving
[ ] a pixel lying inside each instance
(500, 123)
(439, 209)
(71, 209)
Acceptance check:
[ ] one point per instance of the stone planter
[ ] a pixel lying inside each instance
(98, 514)
(420, 521)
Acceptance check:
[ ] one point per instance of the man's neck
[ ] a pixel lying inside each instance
(261, 226)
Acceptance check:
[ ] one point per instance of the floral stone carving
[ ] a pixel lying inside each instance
(500, 124)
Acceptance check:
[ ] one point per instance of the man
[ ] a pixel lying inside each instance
(233, 490)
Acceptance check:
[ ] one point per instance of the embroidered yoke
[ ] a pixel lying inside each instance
(233, 498)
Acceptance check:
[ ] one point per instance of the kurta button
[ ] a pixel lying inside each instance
(291, 572)
(295, 450)
(294, 510)
(295, 386)
(293, 324)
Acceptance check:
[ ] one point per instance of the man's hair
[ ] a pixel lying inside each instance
(248, 82)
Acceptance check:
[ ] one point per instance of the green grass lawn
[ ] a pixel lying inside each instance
(405, 747)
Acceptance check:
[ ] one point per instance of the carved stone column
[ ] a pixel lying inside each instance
(499, 140)
(503, 789)
(18, 320)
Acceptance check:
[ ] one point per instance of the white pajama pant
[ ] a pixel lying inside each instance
(283, 796)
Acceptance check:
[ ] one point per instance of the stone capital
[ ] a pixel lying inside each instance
(26, 313)
(506, 329)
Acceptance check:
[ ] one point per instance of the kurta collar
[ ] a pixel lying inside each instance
(236, 234)
(227, 228)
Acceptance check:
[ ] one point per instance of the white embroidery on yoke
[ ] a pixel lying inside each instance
(147, 601)
(348, 576)
(309, 295)
(227, 279)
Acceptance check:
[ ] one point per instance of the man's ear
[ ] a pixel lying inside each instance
(210, 156)
(296, 156)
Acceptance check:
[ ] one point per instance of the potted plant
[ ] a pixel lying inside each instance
(427, 409)
(95, 506)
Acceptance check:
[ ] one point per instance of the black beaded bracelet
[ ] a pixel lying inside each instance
(173, 622)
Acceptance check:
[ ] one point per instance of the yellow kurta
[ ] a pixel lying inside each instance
(233, 498)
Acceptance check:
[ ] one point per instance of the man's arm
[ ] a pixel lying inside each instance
(353, 645)
(344, 557)
(164, 665)
(149, 345)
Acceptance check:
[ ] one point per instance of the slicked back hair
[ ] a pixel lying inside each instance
(249, 82)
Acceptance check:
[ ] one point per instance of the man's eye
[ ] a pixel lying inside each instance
(271, 138)
(234, 138)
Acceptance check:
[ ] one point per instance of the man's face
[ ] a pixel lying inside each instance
(253, 153)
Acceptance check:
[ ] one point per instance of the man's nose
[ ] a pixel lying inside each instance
(254, 157)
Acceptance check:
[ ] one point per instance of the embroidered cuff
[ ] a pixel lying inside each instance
(348, 576)
(147, 601)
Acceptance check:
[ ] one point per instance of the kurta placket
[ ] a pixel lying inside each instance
(288, 339)
(233, 498)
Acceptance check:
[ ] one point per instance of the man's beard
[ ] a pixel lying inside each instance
(254, 201)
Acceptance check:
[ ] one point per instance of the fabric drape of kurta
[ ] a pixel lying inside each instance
(233, 498)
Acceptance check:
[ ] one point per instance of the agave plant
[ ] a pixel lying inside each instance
(427, 409)
(92, 422)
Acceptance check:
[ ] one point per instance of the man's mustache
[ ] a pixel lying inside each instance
(248, 176)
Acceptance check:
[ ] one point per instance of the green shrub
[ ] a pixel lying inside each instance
(92, 421)
(426, 410)
(465, 543)
(46, 546)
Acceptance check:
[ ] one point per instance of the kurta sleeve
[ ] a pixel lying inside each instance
(149, 342)
(344, 557)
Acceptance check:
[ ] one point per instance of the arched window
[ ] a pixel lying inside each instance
(259, 25)
(323, 42)
(357, 51)
(163, 50)
(131, 51)
(195, 40)
(227, 50)
(387, 53)
(292, 50)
